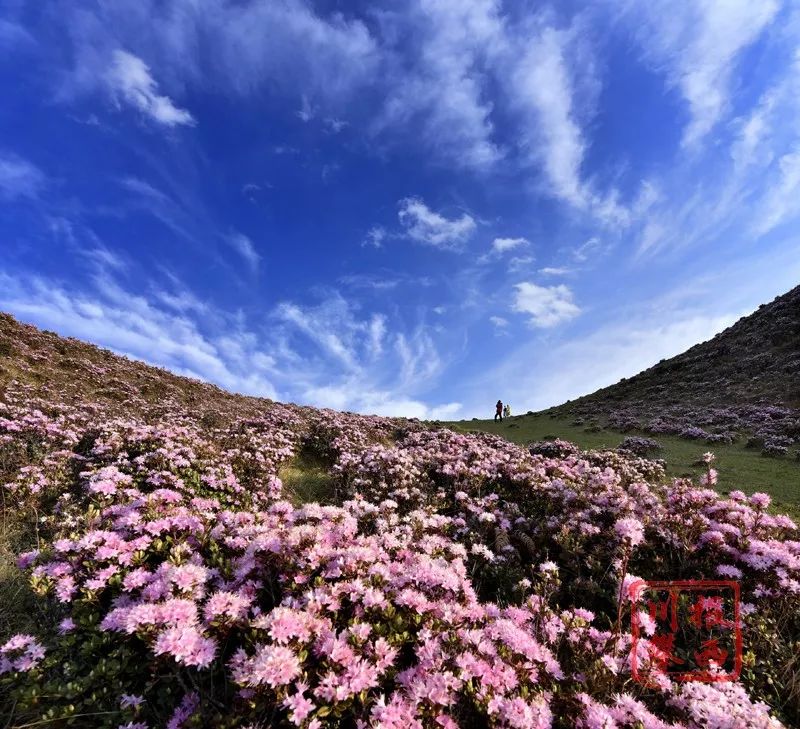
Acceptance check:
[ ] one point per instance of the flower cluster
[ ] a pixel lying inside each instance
(20, 653)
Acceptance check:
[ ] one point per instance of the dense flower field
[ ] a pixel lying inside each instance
(448, 581)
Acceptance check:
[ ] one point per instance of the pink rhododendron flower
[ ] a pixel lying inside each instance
(630, 530)
(760, 500)
(186, 645)
(65, 626)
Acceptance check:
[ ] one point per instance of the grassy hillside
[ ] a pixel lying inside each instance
(739, 467)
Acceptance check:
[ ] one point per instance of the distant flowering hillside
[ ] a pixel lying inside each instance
(747, 378)
(445, 580)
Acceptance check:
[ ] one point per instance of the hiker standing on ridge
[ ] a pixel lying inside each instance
(498, 411)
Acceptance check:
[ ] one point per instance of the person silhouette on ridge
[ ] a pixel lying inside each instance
(498, 411)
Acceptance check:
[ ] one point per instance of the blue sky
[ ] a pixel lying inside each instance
(412, 210)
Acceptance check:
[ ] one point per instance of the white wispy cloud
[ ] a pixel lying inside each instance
(145, 189)
(551, 84)
(306, 112)
(289, 43)
(431, 228)
(250, 190)
(546, 306)
(359, 347)
(418, 356)
(517, 264)
(245, 248)
(499, 321)
(334, 125)
(330, 326)
(375, 237)
(186, 216)
(763, 129)
(653, 234)
(161, 206)
(543, 86)
(19, 177)
(359, 361)
(698, 44)
(129, 80)
(744, 194)
(591, 248)
(377, 334)
(555, 271)
(444, 89)
(751, 132)
(181, 300)
(286, 45)
(385, 280)
(781, 201)
(501, 245)
(104, 258)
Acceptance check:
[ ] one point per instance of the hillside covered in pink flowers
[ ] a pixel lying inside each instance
(177, 556)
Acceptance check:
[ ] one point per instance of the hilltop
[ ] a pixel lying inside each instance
(754, 361)
(745, 379)
(72, 372)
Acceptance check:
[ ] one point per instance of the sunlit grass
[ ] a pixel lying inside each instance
(305, 482)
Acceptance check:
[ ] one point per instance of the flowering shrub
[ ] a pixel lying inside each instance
(458, 580)
(639, 445)
(552, 448)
